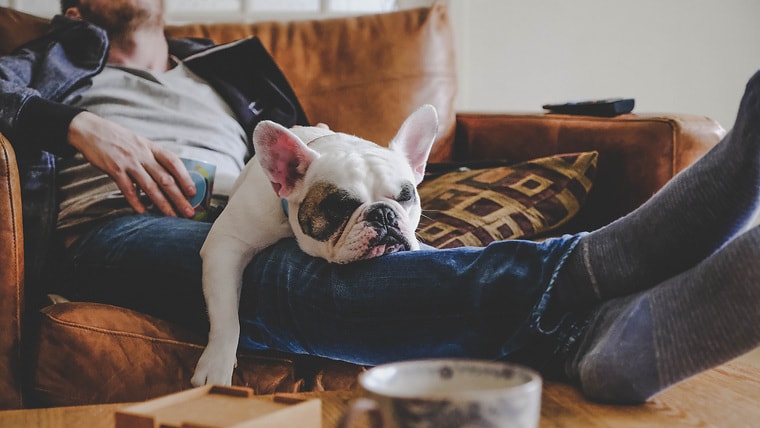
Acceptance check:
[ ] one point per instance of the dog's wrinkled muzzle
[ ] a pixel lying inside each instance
(384, 220)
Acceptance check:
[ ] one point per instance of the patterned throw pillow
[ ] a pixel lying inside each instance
(476, 207)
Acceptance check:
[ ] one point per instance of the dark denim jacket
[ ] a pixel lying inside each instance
(39, 75)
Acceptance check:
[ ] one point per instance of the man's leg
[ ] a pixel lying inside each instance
(147, 263)
(638, 345)
(691, 217)
(465, 302)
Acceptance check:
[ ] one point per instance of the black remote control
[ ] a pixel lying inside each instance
(607, 107)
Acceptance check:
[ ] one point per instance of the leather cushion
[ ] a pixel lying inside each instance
(478, 206)
(361, 75)
(94, 353)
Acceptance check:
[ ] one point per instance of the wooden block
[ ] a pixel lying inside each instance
(214, 406)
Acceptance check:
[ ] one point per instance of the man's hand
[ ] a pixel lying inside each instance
(134, 163)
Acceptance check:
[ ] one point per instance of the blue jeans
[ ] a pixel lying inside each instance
(488, 303)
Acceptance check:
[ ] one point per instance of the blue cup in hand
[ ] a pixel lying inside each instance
(202, 174)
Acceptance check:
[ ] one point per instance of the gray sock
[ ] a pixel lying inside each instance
(688, 219)
(638, 345)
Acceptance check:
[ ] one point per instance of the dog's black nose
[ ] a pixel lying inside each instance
(382, 215)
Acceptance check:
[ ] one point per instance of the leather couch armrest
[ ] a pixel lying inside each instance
(11, 279)
(638, 154)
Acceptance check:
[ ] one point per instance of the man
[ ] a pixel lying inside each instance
(615, 311)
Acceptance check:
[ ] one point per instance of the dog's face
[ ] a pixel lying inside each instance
(349, 199)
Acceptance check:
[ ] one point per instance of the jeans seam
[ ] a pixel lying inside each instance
(541, 306)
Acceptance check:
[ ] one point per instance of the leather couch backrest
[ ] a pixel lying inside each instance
(361, 75)
(17, 28)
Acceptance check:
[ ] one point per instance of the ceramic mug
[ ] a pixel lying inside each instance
(442, 393)
(203, 174)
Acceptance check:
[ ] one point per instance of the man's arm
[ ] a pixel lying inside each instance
(134, 162)
(26, 117)
(131, 161)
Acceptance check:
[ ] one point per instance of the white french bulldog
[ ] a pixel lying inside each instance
(342, 197)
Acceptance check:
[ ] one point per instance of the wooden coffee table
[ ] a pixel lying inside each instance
(727, 396)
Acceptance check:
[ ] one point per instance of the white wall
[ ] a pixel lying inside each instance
(690, 56)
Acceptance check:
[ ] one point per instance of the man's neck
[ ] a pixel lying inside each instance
(143, 49)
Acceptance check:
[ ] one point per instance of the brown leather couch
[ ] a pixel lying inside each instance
(361, 75)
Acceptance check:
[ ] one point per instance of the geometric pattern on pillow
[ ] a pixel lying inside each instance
(477, 207)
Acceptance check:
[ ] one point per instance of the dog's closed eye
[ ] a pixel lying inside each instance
(325, 210)
(339, 205)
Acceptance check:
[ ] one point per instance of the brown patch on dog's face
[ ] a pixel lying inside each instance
(325, 210)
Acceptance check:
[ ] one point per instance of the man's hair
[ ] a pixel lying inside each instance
(65, 4)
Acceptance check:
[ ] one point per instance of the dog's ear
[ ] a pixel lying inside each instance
(416, 137)
(284, 157)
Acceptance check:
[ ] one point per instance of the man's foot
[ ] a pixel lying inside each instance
(638, 345)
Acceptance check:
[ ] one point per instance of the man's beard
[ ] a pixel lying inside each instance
(121, 19)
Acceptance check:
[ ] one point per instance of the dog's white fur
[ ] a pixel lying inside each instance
(254, 218)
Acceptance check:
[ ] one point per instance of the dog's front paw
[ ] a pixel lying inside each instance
(214, 367)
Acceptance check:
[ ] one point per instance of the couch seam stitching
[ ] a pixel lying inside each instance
(7, 181)
(142, 336)
(119, 333)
